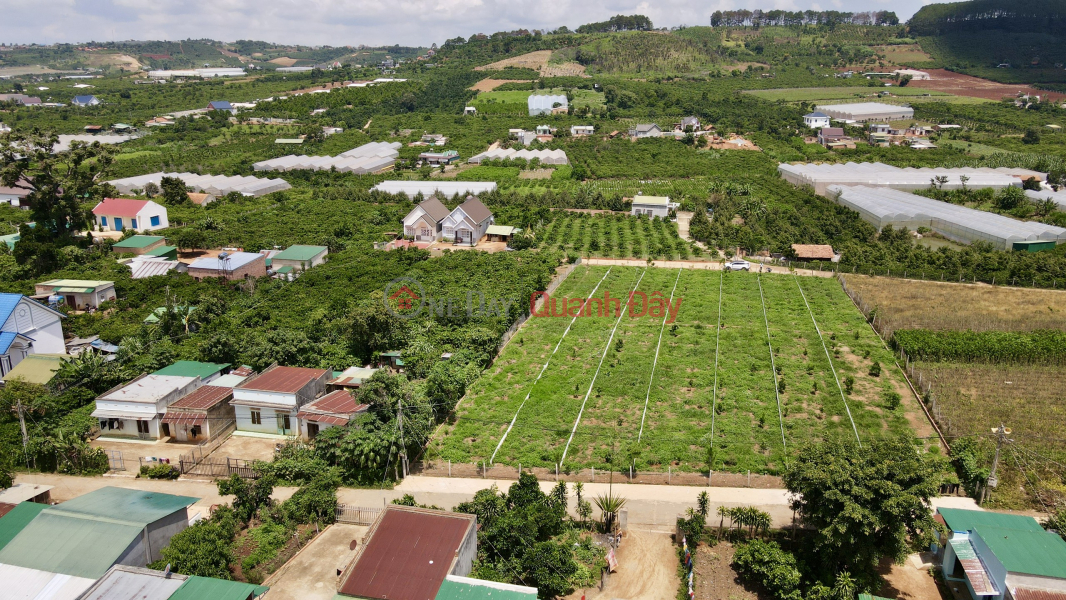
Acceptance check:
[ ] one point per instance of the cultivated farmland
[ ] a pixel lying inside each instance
(598, 395)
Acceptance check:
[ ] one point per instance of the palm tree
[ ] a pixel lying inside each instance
(609, 505)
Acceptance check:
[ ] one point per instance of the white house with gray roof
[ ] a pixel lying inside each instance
(646, 130)
(467, 224)
(423, 223)
(816, 120)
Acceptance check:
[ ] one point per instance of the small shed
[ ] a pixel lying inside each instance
(201, 416)
(501, 233)
(138, 244)
(334, 409)
(813, 251)
(1037, 246)
(299, 258)
(350, 378)
(27, 492)
(392, 358)
(35, 368)
(651, 206)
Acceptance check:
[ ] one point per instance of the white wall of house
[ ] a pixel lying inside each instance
(420, 226)
(268, 419)
(153, 216)
(37, 322)
(13, 200)
(321, 427)
(816, 122)
(458, 221)
(651, 210)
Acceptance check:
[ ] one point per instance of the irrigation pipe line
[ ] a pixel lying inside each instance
(717, 335)
(542, 370)
(656, 360)
(830, 359)
(773, 368)
(606, 348)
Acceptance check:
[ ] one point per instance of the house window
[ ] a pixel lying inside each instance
(103, 221)
(426, 231)
(133, 223)
(257, 417)
(154, 221)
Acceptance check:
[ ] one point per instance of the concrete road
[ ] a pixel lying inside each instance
(653, 507)
(312, 573)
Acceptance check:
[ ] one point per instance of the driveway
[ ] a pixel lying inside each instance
(312, 573)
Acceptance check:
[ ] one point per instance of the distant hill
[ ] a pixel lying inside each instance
(1011, 41)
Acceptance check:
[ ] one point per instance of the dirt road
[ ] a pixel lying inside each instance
(647, 570)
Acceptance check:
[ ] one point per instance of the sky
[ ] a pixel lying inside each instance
(355, 22)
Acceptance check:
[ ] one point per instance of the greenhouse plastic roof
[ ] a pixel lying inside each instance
(881, 207)
(368, 158)
(820, 176)
(444, 189)
(217, 185)
(547, 157)
(1056, 197)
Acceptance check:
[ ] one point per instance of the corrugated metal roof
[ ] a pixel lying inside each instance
(17, 519)
(203, 398)
(466, 588)
(283, 379)
(139, 241)
(228, 381)
(1023, 551)
(651, 200)
(85, 536)
(499, 230)
(192, 368)
(120, 207)
(24, 583)
(23, 492)
(408, 555)
(146, 266)
(134, 583)
(960, 519)
(979, 578)
(234, 261)
(1026, 593)
(300, 252)
(206, 588)
(148, 388)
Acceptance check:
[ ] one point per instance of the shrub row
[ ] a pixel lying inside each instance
(983, 346)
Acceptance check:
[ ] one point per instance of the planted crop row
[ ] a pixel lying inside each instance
(613, 235)
(983, 346)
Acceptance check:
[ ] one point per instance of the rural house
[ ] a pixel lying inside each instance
(67, 546)
(996, 556)
(652, 206)
(409, 553)
(207, 372)
(816, 120)
(85, 101)
(578, 130)
(270, 401)
(78, 294)
(119, 214)
(688, 124)
(646, 130)
(27, 327)
(828, 135)
(221, 105)
(138, 244)
(17, 195)
(233, 266)
(135, 409)
(423, 223)
(543, 104)
(296, 259)
(467, 223)
(351, 378)
(203, 415)
(446, 157)
(334, 409)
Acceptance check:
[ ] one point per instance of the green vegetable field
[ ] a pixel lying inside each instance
(597, 396)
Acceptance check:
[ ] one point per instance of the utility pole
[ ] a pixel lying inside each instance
(1001, 434)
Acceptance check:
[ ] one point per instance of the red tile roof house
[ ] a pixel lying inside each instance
(332, 410)
(269, 402)
(409, 552)
(201, 416)
(119, 214)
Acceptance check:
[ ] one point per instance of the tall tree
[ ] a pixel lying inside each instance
(863, 503)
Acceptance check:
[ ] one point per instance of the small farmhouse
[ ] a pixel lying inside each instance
(135, 409)
(138, 244)
(26, 328)
(816, 120)
(423, 223)
(577, 130)
(270, 401)
(466, 225)
(334, 409)
(119, 214)
(688, 124)
(299, 258)
(814, 252)
(233, 266)
(828, 135)
(201, 416)
(652, 206)
(78, 294)
(221, 105)
(446, 157)
(85, 101)
(17, 195)
(351, 378)
(646, 130)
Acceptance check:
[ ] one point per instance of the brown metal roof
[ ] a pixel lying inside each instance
(1027, 593)
(434, 208)
(409, 553)
(813, 251)
(5, 508)
(192, 419)
(283, 379)
(475, 209)
(335, 408)
(203, 398)
(243, 371)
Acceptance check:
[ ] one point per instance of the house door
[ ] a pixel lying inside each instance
(284, 426)
(143, 429)
(70, 301)
(312, 430)
(463, 236)
(166, 429)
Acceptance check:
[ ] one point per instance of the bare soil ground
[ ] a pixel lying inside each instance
(536, 174)
(907, 582)
(487, 85)
(124, 61)
(246, 448)
(564, 69)
(975, 87)
(715, 578)
(646, 570)
(537, 61)
(312, 574)
(283, 61)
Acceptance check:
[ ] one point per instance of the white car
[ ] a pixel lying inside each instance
(738, 265)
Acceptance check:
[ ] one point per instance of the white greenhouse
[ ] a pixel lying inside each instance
(368, 158)
(540, 104)
(216, 185)
(882, 207)
(547, 157)
(443, 189)
(1041, 195)
(821, 176)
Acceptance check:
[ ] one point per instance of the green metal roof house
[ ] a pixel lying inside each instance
(85, 536)
(206, 588)
(299, 258)
(190, 368)
(138, 244)
(17, 519)
(36, 368)
(1001, 556)
(170, 252)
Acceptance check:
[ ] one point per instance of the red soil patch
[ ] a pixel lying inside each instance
(975, 87)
